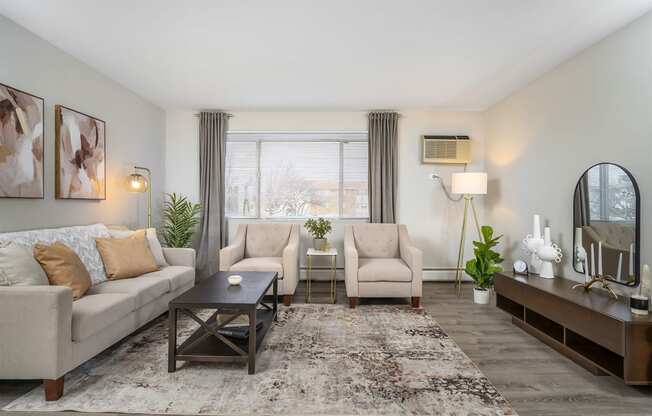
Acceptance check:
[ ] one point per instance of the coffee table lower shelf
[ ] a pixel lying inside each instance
(202, 346)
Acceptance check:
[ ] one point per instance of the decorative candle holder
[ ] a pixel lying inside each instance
(548, 254)
(532, 243)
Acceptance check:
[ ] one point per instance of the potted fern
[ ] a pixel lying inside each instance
(319, 228)
(180, 218)
(484, 265)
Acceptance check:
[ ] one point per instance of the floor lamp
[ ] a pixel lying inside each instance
(467, 184)
(138, 183)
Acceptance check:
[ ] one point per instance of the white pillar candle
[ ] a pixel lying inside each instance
(599, 258)
(620, 265)
(631, 259)
(586, 269)
(546, 236)
(592, 260)
(536, 229)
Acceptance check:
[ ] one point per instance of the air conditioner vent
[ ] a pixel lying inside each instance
(446, 149)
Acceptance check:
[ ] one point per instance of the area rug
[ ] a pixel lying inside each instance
(317, 360)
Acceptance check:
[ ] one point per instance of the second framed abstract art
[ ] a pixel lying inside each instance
(80, 152)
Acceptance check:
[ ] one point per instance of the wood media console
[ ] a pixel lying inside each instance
(594, 330)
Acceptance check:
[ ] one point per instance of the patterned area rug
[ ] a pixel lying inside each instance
(317, 360)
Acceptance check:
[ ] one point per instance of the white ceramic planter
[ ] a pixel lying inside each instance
(320, 243)
(481, 297)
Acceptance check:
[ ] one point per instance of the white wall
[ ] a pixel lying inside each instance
(135, 131)
(433, 221)
(595, 107)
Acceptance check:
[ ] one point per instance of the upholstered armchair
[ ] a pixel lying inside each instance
(381, 261)
(268, 247)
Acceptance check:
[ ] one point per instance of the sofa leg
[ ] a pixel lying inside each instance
(353, 302)
(416, 301)
(287, 300)
(53, 389)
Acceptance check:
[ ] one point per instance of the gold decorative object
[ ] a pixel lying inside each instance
(598, 279)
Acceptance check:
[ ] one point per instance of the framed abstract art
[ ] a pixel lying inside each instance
(80, 152)
(21, 144)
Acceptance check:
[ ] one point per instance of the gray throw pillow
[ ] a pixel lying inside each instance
(19, 268)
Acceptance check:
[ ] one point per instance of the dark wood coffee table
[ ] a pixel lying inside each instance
(229, 302)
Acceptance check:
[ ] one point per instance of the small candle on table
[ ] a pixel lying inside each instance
(620, 265)
(631, 259)
(599, 258)
(592, 260)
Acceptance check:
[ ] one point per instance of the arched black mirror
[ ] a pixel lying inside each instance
(607, 223)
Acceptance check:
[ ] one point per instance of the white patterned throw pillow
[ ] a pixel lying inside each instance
(81, 239)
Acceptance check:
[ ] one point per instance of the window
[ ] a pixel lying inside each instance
(611, 195)
(295, 175)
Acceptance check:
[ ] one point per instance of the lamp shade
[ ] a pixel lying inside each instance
(469, 183)
(137, 183)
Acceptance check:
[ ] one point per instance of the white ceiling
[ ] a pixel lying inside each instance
(323, 55)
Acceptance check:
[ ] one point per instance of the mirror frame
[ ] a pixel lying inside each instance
(637, 254)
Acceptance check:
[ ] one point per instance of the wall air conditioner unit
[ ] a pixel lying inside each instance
(446, 149)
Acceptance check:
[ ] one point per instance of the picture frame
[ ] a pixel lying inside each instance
(22, 144)
(80, 155)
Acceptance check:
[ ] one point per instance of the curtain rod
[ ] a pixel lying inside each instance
(229, 115)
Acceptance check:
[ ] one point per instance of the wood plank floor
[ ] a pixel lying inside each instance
(534, 378)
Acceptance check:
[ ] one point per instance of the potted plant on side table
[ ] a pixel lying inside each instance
(319, 228)
(484, 265)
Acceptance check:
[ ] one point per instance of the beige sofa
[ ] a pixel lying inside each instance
(45, 334)
(266, 247)
(381, 261)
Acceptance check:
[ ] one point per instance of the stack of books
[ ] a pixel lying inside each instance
(238, 331)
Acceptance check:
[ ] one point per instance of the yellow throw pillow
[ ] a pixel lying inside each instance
(126, 257)
(63, 267)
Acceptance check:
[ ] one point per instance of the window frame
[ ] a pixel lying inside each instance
(260, 137)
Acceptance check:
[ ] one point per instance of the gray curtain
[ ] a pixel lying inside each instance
(212, 228)
(383, 166)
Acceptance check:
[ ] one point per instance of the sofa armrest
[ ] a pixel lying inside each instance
(350, 263)
(35, 329)
(234, 252)
(291, 263)
(180, 256)
(413, 257)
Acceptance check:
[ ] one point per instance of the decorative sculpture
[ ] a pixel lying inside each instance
(532, 243)
(548, 254)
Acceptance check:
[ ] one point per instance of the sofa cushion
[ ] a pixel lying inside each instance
(93, 313)
(144, 288)
(266, 240)
(19, 268)
(376, 240)
(79, 238)
(260, 264)
(126, 257)
(178, 276)
(63, 267)
(383, 270)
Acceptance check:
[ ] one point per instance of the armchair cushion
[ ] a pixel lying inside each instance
(260, 264)
(376, 240)
(383, 270)
(266, 240)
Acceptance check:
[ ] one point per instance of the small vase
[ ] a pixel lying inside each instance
(320, 244)
(548, 254)
(481, 296)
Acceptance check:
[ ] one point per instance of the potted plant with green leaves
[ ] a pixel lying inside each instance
(319, 228)
(485, 264)
(180, 219)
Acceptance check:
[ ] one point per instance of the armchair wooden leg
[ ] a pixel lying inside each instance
(53, 389)
(416, 301)
(287, 300)
(353, 302)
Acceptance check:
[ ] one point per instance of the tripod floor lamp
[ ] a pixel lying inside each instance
(467, 184)
(138, 183)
